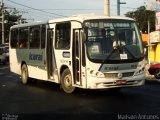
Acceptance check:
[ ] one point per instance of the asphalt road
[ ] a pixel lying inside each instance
(45, 101)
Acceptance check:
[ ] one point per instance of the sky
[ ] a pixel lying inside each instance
(40, 10)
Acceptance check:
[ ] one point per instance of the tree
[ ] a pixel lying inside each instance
(12, 17)
(141, 15)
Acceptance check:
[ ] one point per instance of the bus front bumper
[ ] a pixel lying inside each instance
(103, 83)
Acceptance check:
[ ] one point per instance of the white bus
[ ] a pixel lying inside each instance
(85, 51)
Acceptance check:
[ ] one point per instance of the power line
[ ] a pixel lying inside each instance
(40, 15)
(44, 10)
(68, 9)
(30, 11)
(36, 9)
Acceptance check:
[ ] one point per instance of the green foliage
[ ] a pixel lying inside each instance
(141, 15)
(11, 17)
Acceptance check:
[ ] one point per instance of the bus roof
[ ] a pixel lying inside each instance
(79, 18)
(29, 24)
(84, 17)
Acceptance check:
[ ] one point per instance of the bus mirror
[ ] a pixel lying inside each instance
(84, 37)
(85, 33)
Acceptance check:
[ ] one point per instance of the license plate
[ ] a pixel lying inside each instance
(120, 82)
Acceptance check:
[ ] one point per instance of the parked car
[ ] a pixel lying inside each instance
(7, 53)
(3, 56)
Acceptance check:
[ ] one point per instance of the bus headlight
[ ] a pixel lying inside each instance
(140, 71)
(95, 73)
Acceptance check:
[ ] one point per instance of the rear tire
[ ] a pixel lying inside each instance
(66, 82)
(24, 74)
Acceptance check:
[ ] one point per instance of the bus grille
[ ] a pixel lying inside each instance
(115, 75)
(127, 74)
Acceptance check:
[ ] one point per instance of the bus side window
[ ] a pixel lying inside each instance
(35, 37)
(43, 36)
(67, 38)
(14, 38)
(23, 38)
(62, 40)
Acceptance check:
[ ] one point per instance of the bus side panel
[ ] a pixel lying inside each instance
(37, 72)
(15, 67)
(33, 58)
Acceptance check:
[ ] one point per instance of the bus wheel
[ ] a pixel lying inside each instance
(66, 81)
(157, 75)
(24, 74)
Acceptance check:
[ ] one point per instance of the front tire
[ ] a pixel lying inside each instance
(66, 82)
(24, 74)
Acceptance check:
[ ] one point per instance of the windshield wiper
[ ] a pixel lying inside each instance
(119, 48)
(110, 54)
(128, 52)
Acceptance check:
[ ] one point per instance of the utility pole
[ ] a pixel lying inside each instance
(118, 6)
(2, 22)
(107, 7)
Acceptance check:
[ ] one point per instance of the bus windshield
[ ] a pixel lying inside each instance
(113, 40)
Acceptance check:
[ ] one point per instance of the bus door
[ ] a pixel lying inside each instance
(50, 54)
(77, 57)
